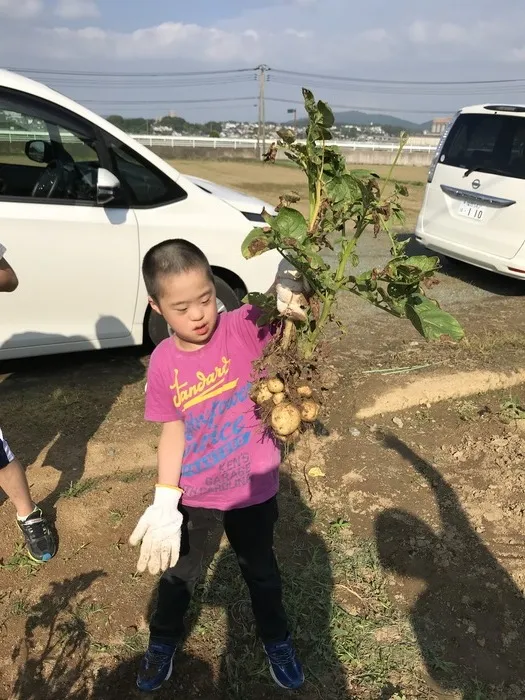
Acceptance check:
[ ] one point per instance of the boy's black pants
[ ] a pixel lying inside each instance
(250, 533)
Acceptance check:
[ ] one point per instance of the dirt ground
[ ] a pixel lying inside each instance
(400, 538)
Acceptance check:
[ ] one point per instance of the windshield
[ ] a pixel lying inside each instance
(491, 143)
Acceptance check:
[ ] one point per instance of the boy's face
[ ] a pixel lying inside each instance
(189, 306)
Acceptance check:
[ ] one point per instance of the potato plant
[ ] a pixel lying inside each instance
(344, 205)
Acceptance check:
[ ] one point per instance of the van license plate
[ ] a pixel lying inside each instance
(472, 211)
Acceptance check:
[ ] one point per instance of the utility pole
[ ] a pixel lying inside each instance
(261, 133)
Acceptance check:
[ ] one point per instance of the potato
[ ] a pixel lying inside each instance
(278, 398)
(286, 419)
(275, 385)
(289, 439)
(309, 410)
(262, 394)
(304, 391)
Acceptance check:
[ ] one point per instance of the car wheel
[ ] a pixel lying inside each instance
(227, 300)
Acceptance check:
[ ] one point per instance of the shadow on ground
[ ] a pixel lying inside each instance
(57, 404)
(470, 619)
(221, 621)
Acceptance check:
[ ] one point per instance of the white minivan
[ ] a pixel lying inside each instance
(80, 204)
(474, 206)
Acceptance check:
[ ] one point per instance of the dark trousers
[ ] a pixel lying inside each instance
(250, 533)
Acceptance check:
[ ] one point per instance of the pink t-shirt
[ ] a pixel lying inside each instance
(229, 460)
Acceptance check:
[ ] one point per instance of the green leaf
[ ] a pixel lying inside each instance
(263, 301)
(341, 189)
(286, 135)
(326, 114)
(290, 223)
(256, 242)
(310, 105)
(424, 263)
(430, 320)
(361, 174)
(315, 261)
(400, 189)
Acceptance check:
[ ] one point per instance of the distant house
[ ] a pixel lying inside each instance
(439, 125)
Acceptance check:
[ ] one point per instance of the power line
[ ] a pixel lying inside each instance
(396, 90)
(202, 82)
(168, 102)
(99, 74)
(378, 81)
(276, 71)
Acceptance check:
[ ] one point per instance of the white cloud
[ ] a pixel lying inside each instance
(20, 9)
(413, 41)
(298, 34)
(170, 39)
(76, 9)
(423, 32)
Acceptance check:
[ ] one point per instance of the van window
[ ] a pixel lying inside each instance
(490, 143)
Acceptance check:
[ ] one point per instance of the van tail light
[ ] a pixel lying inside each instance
(439, 148)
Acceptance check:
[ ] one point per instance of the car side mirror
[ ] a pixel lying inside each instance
(39, 151)
(107, 186)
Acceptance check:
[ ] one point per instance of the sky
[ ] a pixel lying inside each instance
(411, 40)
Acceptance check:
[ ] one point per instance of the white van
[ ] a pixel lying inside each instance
(80, 204)
(474, 206)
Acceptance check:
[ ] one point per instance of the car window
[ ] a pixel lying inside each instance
(146, 186)
(14, 131)
(492, 143)
(64, 163)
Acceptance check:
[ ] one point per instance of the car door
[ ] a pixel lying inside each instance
(77, 262)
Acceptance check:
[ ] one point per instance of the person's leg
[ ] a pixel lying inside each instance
(13, 481)
(177, 584)
(39, 537)
(250, 532)
(174, 593)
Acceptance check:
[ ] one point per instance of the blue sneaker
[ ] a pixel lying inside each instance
(285, 667)
(156, 666)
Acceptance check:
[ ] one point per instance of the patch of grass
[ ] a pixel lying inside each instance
(116, 517)
(20, 606)
(79, 488)
(491, 342)
(512, 409)
(20, 560)
(343, 622)
(132, 476)
(86, 609)
(467, 410)
(100, 647)
(136, 643)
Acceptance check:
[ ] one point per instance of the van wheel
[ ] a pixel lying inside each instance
(227, 300)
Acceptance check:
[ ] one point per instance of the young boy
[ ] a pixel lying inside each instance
(39, 538)
(214, 460)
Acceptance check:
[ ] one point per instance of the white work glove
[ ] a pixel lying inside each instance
(159, 530)
(291, 288)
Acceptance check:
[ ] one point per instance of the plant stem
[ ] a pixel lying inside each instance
(288, 332)
(313, 339)
(393, 166)
(315, 195)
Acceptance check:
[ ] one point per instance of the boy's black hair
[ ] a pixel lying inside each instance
(171, 257)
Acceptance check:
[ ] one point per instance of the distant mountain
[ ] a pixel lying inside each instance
(364, 119)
